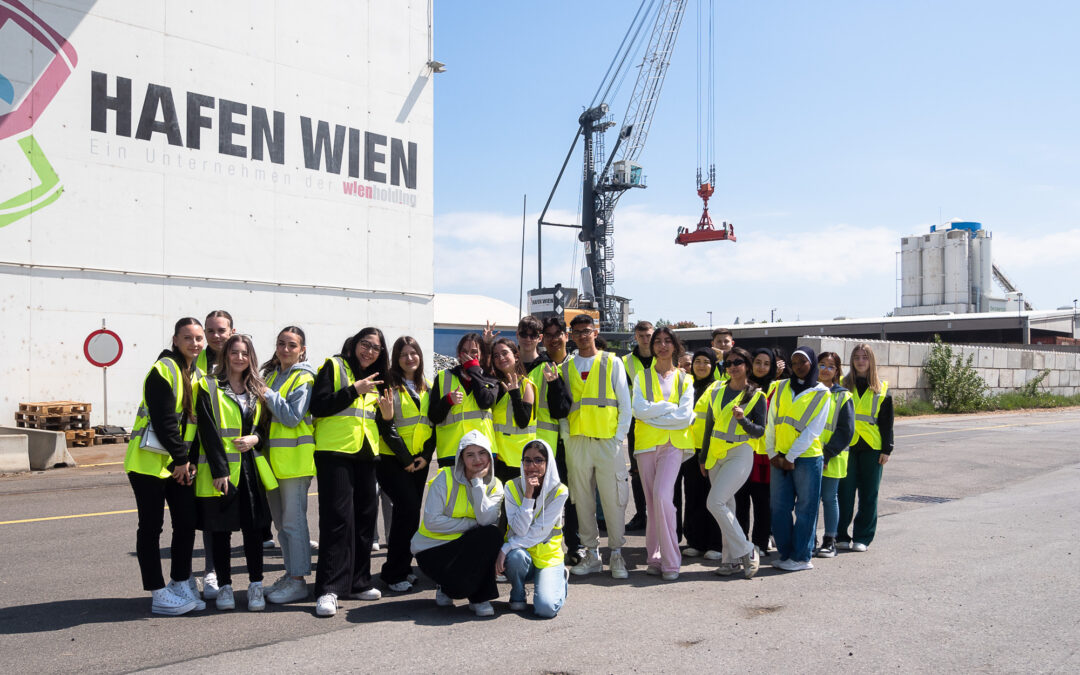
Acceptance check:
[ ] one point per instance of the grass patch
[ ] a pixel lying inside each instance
(909, 407)
(1015, 400)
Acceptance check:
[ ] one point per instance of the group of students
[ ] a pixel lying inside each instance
(231, 446)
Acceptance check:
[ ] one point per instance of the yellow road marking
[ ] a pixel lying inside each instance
(996, 426)
(87, 466)
(78, 515)
(85, 515)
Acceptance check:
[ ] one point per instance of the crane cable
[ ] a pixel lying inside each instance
(706, 104)
(630, 44)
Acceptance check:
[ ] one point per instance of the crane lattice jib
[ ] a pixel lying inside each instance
(650, 79)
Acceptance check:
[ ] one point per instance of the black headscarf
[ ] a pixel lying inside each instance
(798, 386)
(762, 382)
(700, 385)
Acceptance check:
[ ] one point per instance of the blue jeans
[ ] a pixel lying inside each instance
(797, 490)
(550, 592)
(830, 506)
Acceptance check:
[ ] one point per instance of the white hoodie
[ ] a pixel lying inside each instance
(485, 494)
(525, 527)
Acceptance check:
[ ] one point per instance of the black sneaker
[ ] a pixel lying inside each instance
(828, 548)
(636, 524)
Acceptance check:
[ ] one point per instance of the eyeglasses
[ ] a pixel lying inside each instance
(822, 366)
(553, 336)
(368, 346)
(529, 336)
(736, 362)
(581, 333)
(530, 460)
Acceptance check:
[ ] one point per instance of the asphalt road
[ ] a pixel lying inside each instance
(974, 568)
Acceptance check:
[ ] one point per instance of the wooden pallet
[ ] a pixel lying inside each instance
(80, 438)
(55, 407)
(111, 439)
(51, 422)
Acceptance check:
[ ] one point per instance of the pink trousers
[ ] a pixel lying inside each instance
(659, 469)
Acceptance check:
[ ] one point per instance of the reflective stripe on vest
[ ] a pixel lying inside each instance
(788, 428)
(457, 505)
(547, 429)
(548, 552)
(595, 415)
(408, 421)
(152, 461)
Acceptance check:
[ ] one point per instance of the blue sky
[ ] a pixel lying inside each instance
(841, 127)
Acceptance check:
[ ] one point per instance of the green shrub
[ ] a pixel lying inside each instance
(1031, 389)
(910, 407)
(955, 385)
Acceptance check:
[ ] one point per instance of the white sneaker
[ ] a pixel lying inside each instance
(278, 583)
(269, 543)
(442, 599)
(482, 608)
(843, 545)
(256, 598)
(652, 571)
(727, 569)
(225, 599)
(617, 565)
(501, 578)
(370, 594)
(520, 605)
(590, 563)
(780, 564)
(400, 587)
(375, 547)
(856, 546)
(183, 589)
(690, 552)
(210, 586)
(326, 605)
(293, 590)
(314, 545)
(751, 563)
(713, 555)
(669, 576)
(793, 566)
(170, 604)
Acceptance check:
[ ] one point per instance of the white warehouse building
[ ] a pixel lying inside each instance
(161, 160)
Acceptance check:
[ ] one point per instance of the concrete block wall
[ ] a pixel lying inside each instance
(1003, 369)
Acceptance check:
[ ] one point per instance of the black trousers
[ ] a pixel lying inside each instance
(701, 529)
(348, 507)
(755, 495)
(465, 567)
(221, 550)
(151, 496)
(405, 491)
(570, 523)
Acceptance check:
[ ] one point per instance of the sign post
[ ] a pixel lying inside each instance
(103, 348)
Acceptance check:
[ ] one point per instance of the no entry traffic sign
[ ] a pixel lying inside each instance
(103, 348)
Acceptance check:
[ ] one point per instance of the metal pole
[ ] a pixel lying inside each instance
(521, 286)
(710, 319)
(105, 393)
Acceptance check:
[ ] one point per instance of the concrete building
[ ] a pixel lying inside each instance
(160, 160)
(458, 314)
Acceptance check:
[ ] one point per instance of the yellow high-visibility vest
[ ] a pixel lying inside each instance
(462, 418)
(645, 434)
(726, 432)
(410, 420)
(547, 428)
(229, 421)
(837, 466)
(510, 440)
(549, 552)
(595, 410)
(345, 431)
(292, 449)
(151, 461)
(793, 416)
(867, 408)
(457, 502)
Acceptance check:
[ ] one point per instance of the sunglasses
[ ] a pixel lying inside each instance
(736, 362)
(530, 336)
